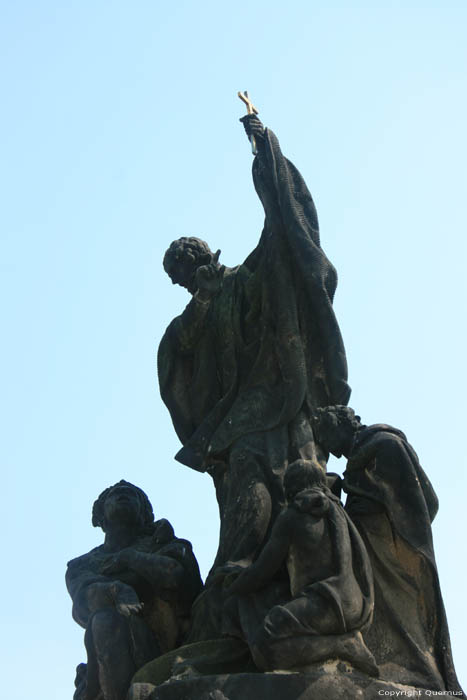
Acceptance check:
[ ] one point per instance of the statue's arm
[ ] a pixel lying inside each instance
(283, 192)
(162, 572)
(91, 591)
(186, 329)
(268, 563)
(107, 593)
(254, 128)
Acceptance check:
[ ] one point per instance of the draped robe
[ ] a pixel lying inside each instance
(393, 504)
(268, 350)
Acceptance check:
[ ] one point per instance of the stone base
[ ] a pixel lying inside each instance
(334, 680)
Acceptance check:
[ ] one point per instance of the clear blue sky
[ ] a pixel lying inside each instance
(120, 133)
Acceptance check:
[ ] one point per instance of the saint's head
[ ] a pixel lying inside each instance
(183, 258)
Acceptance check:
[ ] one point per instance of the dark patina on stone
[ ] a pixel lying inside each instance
(132, 595)
(331, 681)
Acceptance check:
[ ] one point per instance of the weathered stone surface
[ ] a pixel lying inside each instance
(140, 691)
(332, 681)
(330, 593)
(306, 599)
(392, 503)
(257, 348)
(215, 656)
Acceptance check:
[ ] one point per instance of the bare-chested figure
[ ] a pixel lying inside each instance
(132, 594)
(330, 578)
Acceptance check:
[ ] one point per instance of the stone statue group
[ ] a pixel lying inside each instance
(254, 375)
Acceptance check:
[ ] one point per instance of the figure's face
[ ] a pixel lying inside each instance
(122, 506)
(183, 272)
(293, 487)
(335, 438)
(301, 475)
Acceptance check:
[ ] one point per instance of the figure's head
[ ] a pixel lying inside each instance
(300, 475)
(183, 258)
(122, 504)
(335, 428)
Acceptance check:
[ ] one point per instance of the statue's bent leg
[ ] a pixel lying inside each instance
(302, 615)
(92, 685)
(279, 639)
(306, 631)
(111, 656)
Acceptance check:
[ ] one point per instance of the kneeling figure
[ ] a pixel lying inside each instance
(331, 583)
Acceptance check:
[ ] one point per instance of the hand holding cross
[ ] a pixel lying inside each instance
(251, 109)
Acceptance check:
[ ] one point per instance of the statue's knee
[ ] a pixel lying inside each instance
(274, 621)
(237, 458)
(244, 466)
(103, 616)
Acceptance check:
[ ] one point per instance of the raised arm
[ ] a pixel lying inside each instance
(254, 128)
(283, 192)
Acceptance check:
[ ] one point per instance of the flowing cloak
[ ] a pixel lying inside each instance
(393, 504)
(269, 349)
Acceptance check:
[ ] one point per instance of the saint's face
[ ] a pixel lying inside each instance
(183, 272)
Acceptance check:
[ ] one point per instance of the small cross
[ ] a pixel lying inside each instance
(250, 108)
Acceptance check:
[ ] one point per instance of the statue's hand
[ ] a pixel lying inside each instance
(253, 127)
(235, 584)
(127, 609)
(227, 573)
(209, 277)
(126, 599)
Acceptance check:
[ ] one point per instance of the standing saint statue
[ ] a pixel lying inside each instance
(254, 353)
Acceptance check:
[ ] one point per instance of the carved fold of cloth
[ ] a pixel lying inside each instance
(392, 502)
(269, 349)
